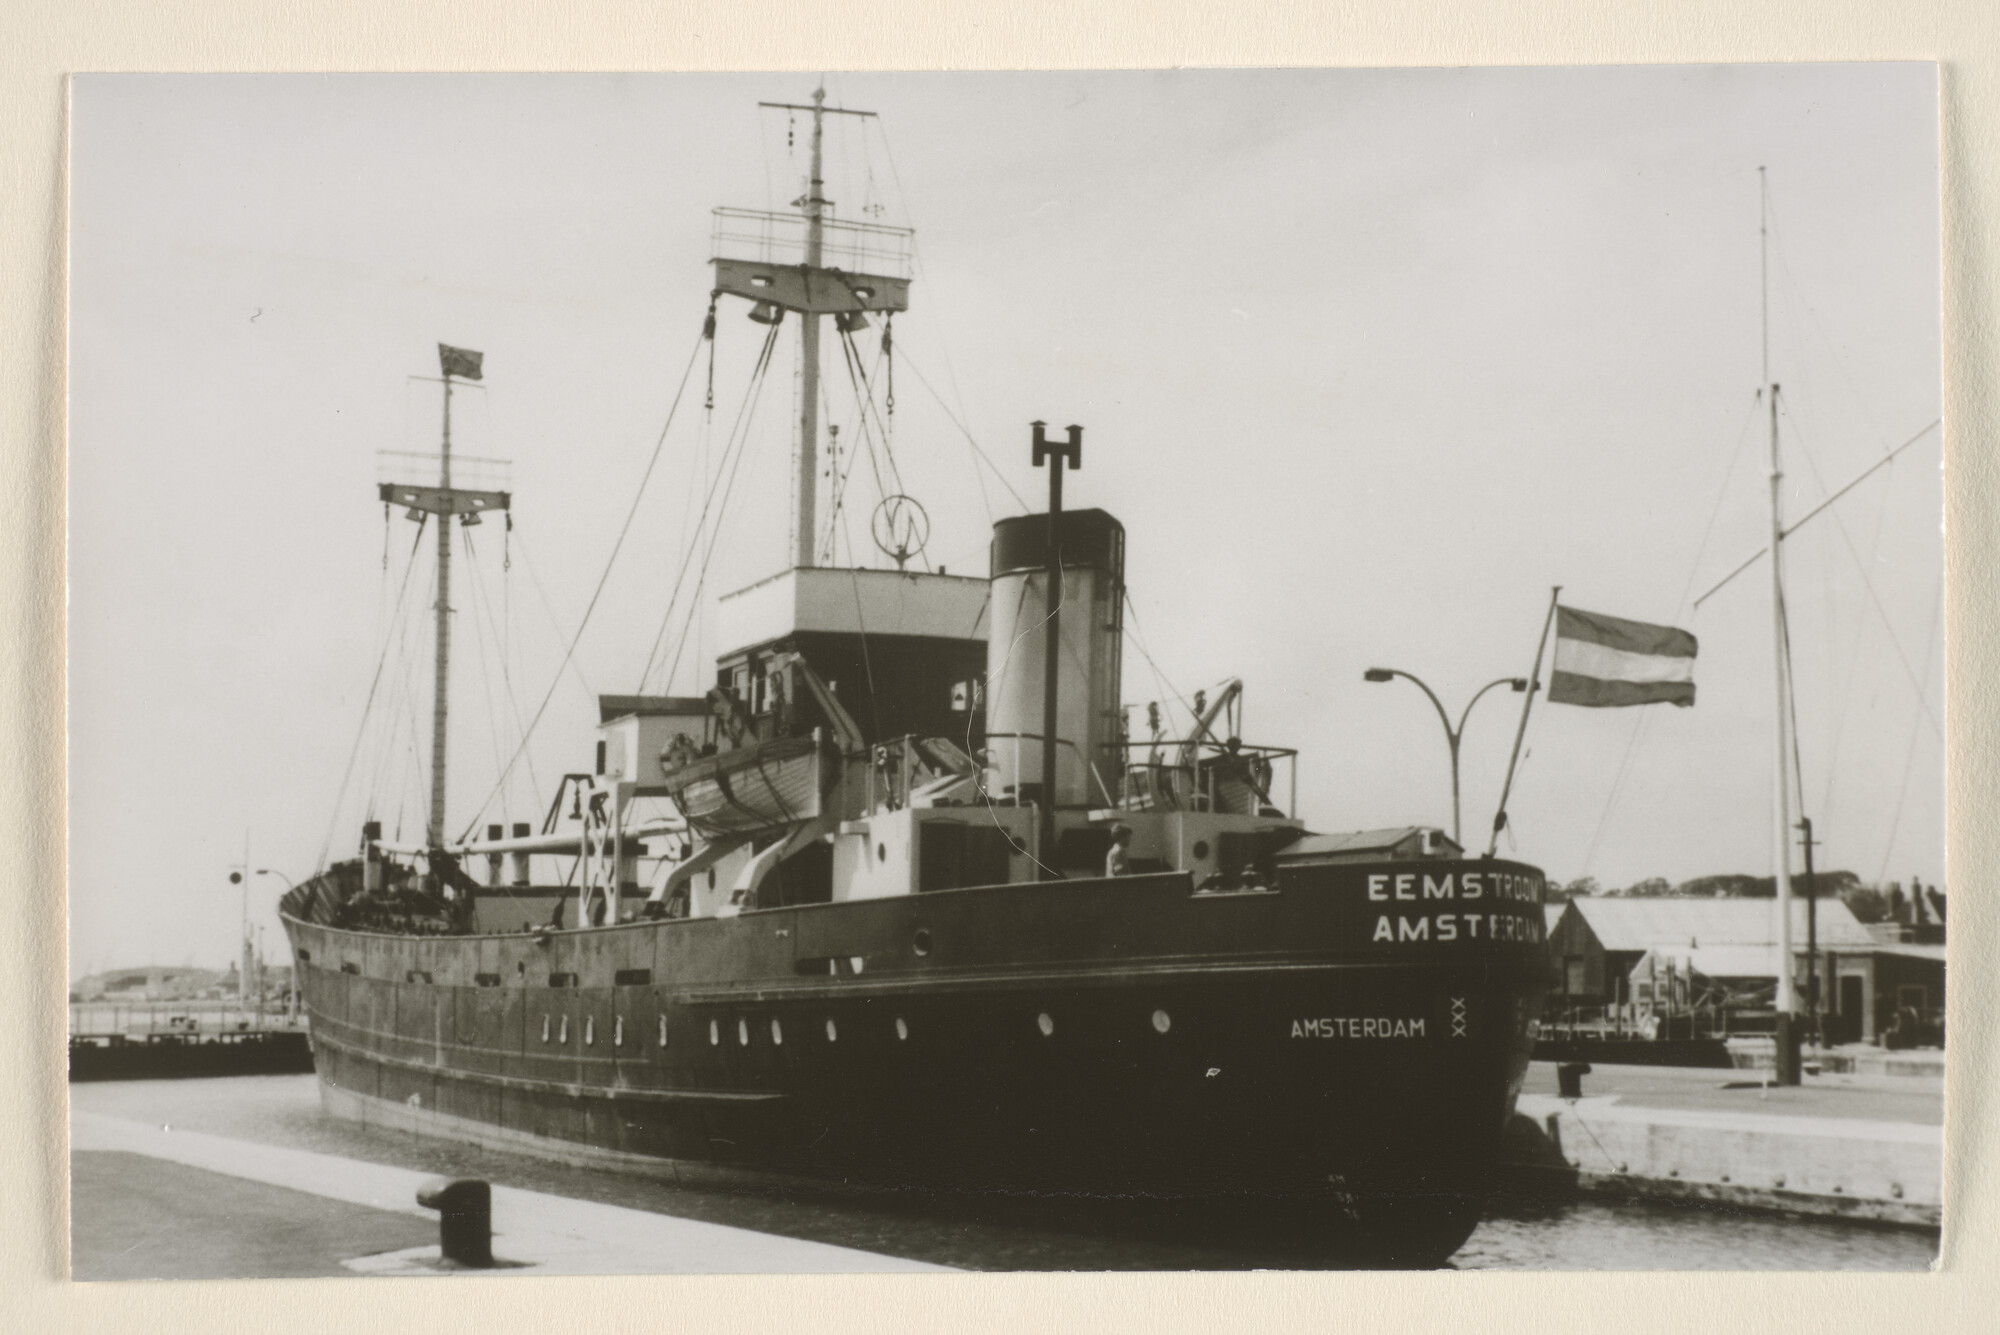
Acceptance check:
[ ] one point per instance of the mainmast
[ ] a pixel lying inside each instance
(808, 479)
(748, 247)
(444, 501)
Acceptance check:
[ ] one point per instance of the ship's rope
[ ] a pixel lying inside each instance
(836, 525)
(864, 394)
(1847, 675)
(402, 709)
(731, 446)
(610, 562)
(507, 646)
(867, 437)
(1165, 686)
(944, 350)
(494, 630)
(479, 640)
(367, 707)
(414, 794)
(1867, 582)
(1916, 732)
(549, 610)
(715, 533)
(867, 664)
(979, 452)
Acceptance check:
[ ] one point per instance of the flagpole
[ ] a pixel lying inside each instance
(1785, 1038)
(1520, 731)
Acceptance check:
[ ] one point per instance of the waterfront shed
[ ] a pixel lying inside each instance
(1598, 940)
(1892, 993)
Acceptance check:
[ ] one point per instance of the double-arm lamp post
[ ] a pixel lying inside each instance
(1451, 734)
(292, 991)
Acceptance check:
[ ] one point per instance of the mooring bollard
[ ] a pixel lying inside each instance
(465, 1218)
(1569, 1079)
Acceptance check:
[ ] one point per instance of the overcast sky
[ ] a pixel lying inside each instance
(1367, 361)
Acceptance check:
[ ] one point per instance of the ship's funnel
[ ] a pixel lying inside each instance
(1089, 754)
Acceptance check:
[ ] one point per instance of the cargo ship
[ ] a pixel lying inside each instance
(900, 901)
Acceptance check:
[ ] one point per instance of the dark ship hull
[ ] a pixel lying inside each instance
(1329, 1044)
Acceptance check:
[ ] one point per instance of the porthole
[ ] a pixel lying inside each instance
(563, 1036)
(832, 1032)
(1162, 1021)
(777, 1031)
(714, 1034)
(545, 1029)
(589, 1030)
(881, 852)
(663, 1029)
(743, 1033)
(1200, 849)
(921, 942)
(902, 1029)
(1046, 1023)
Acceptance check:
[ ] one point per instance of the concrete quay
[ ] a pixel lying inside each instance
(1840, 1145)
(1846, 1059)
(143, 1190)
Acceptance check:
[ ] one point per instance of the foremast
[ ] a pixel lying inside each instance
(445, 501)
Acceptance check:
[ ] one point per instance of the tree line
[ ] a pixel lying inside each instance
(1868, 903)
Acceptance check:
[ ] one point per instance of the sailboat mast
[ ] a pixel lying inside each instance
(441, 687)
(1781, 805)
(808, 480)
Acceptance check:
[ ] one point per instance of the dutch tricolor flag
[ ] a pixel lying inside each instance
(1606, 661)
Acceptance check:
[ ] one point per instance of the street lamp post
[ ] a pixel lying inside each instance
(1451, 734)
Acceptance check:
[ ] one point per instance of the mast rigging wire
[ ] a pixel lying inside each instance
(864, 392)
(1867, 582)
(381, 660)
(506, 675)
(1646, 716)
(735, 443)
(479, 640)
(610, 561)
(1910, 756)
(1853, 666)
(965, 431)
(555, 623)
(729, 488)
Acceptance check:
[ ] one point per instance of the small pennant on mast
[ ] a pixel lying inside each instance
(459, 362)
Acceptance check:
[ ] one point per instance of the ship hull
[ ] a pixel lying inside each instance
(1104, 1039)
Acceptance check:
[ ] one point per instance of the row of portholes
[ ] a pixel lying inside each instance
(557, 1028)
(778, 1031)
(1162, 1023)
(560, 1031)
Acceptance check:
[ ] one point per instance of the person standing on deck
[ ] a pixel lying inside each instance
(1116, 862)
